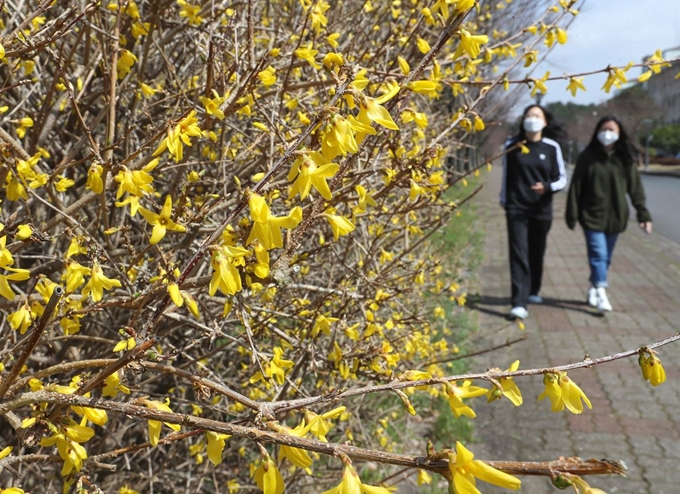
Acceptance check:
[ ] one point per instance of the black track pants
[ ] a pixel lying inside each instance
(527, 239)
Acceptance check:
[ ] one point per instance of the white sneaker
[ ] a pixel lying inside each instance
(603, 304)
(535, 299)
(592, 297)
(519, 313)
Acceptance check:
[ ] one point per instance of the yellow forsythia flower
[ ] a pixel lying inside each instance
(465, 469)
(155, 425)
(268, 477)
(651, 368)
(23, 232)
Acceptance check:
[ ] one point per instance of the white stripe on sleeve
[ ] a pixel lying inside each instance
(561, 182)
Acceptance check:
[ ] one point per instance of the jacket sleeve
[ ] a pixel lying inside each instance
(574, 195)
(637, 195)
(558, 174)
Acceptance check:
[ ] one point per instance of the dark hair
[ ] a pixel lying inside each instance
(624, 148)
(552, 129)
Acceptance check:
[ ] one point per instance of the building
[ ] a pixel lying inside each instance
(664, 88)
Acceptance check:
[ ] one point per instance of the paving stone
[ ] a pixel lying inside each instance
(670, 448)
(663, 487)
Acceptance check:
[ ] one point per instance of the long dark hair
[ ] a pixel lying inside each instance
(624, 148)
(552, 129)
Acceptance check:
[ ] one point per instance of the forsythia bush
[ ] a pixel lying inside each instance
(216, 224)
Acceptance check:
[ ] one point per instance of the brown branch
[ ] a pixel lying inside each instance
(479, 352)
(111, 121)
(32, 340)
(14, 144)
(528, 80)
(586, 363)
(169, 439)
(98, 380)
(567, 465)
(95, 363)
(9, 461)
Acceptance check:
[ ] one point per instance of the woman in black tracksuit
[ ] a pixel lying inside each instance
(533, 169)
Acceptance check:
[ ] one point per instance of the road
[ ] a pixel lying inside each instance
(663, 201)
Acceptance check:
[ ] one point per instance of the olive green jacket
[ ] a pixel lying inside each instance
(597, 194)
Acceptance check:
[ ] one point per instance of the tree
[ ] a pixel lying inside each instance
(635, 108)
(667, 138)
(578, 120)
(216, 240)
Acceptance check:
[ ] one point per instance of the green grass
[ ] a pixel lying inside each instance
(460, 234)
(447, 429)
(460, 237)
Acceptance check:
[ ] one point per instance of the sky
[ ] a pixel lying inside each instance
(610, 32)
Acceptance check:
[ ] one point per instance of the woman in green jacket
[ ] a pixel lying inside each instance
(605, 172)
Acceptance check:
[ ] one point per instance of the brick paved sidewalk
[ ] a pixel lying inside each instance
(630, 420)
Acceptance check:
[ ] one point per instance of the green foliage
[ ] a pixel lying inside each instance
(667, 138)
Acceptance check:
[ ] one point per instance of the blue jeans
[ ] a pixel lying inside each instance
(600, 250)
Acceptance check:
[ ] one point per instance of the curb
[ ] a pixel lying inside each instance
(675, 174)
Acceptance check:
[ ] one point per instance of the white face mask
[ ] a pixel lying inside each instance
(533, 124)
(607, 137)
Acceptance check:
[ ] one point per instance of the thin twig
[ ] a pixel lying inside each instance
(32, 339)
(586, 363)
